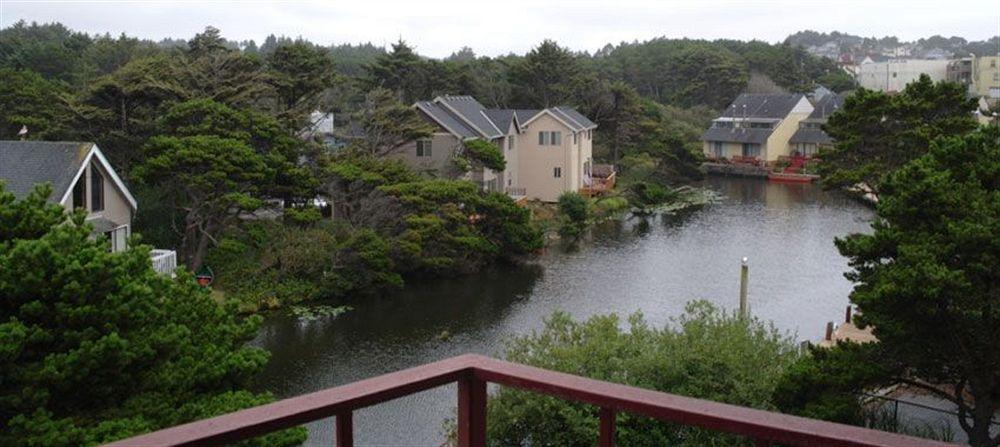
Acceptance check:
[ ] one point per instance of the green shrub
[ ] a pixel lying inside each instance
(486, 153)
(708, 353)
(575, 212)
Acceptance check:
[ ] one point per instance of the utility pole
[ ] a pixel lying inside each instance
(744, 277)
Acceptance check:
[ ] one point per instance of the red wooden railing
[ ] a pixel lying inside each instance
(473, 372)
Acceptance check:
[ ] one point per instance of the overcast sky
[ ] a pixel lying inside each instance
(439, 27)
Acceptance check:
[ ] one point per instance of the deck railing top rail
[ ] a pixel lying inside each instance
(472, 372)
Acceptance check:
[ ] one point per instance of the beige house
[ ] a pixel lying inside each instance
(556, 152)
(810, 137)
(81, 178)
(756, 127)
(550, 153)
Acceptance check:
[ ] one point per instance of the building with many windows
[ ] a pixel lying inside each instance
(548, 151)
(756, 127)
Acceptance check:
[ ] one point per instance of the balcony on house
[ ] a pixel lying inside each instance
(518, 194)
(600, 181)
(164, 261)
(473, 372)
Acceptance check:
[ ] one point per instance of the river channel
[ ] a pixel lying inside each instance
(650, 265)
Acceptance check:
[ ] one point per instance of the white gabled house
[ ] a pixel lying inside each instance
(81, 177)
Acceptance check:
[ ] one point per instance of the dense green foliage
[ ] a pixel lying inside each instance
(486, 154)
(385, 124)
(392, 224)
(927, 277)
(96, 346)
(877, 133)
(708, 354)
(574, 211)
(269, 264)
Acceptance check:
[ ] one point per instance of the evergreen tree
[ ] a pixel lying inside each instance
(386, 124)
(299, 73)
(542, 78)
(876, 133)
(927, 280)
(96, 346)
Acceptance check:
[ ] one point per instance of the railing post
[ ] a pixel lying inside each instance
(607, 436)
(471, 412)
(345, 430)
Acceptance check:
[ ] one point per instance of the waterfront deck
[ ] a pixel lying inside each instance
(473, 372)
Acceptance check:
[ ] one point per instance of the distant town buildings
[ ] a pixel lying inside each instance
(892, 75)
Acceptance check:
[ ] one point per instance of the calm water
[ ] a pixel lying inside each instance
(653, 266)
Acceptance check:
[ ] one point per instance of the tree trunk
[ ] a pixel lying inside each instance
(198, 256)
(982, 418)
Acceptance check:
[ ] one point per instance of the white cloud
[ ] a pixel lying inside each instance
(438, 27)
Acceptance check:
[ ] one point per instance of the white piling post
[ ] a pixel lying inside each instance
(744, 277)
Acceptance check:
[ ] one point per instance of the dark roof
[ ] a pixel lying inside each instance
(753, 105)
(473, 113)
(810, 135)
(501, 117)
(524, 115)
(737, 135)
(447, 119)
(577, 117)
(825, 107)
(23, 164)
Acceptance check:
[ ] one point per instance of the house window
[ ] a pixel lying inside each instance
(557, 172)
(718, 149)
(556, 138)
(760, 125)
(543, 138)
(423, 148)
(96, 189)
(751, 149)
(118, 238)
(80, 193)
(589, 134)
(576, 139)
(510, 143)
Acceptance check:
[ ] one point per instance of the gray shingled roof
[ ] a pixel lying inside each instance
(447, 119)
(473, 113)
(23, 164)
(501, 117)
(762, 105)
(523, 115)
(825, 107)
(810, 135)
(737, 135)
(577, 117)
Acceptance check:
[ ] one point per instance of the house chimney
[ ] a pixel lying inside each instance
(23, 133)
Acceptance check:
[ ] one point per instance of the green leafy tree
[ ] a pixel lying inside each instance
(575, 212)
(708, 354)
(27, 99)
(486, 154)
(299, 73)
(213, 165)
(97, 346)
(876, 133)
(387, 125)
(451, 226)
(620, 128)
(543, 77)
(401, 71)
(927, 277)
(119, 111)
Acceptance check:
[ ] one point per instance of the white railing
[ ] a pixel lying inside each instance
(164, 261)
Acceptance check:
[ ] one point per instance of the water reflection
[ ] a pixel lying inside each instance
(654, 265)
